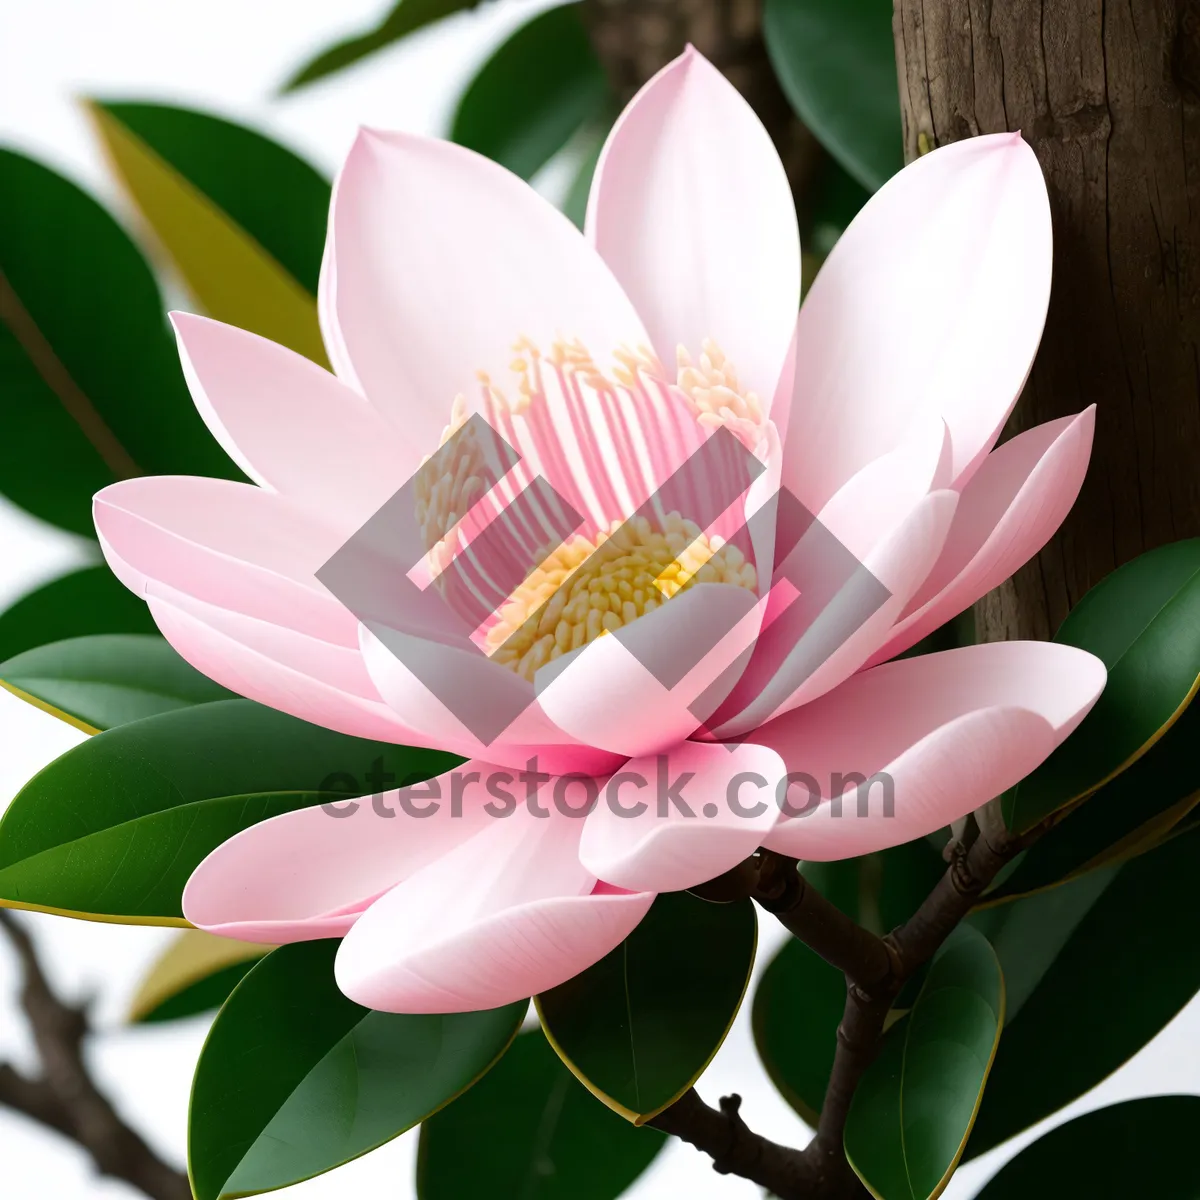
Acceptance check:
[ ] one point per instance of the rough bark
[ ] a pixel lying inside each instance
(1108, 95)
(635, 38)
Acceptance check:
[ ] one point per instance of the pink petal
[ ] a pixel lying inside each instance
(1009, 511)
(606, 695)
(730, 809)
(691, 208)
(958, 242)
(504, 916)
(797, 659)
(465, 681)
(951, 730)
(308, 874)
(231, 544)
(289, 424)
(315, 681)
(440, 261)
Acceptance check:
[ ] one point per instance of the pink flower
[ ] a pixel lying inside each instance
(450, 287)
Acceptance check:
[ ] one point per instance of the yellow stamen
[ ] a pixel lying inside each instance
(587, 588)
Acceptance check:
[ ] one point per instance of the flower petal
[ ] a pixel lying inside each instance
(310, 873)
(289, 424)
(441, 260)
(471, 691)
(691, 208)
(958, 242)
(231, 544)
(504, 916)
(949, 731)
(638, 691)
(1009, 510)
(821, 641)
(300, 675)
(710, 806)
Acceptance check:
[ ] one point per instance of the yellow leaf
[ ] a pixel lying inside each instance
(228, 272)
(191, 957)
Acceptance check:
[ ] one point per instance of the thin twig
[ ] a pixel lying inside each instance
(65, 1097)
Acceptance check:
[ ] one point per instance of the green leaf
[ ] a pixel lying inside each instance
(529, 1130)
(111, 679)
(406, 17)
(533, 94)
(1143, 621)
(241, 218)
(1125, 817)
(82, 602)
(1129, 961)
(92, 385)
(833, 202)
(914, 1107)
(113, 828)
(1142, 1147)
(639, 1027)
(879, 891)
(295, 1079)
(836, 62)
(194, 974)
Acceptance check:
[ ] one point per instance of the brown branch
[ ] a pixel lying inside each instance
(64, 1097)
(875, 969)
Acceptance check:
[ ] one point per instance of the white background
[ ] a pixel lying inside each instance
(229, 56)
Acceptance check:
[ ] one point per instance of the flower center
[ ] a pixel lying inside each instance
(588, 588)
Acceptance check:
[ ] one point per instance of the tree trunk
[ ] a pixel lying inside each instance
(635, 38)
(1108, 95)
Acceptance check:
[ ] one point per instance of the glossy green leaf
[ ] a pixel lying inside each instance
(914, 1107)
(1143, 621)
(241, 217)
(91, 381)
(295, 1079)
(1128, 961)
(837, 63)
(529, 1130)
(533, 94)
(1141, 1148)
(113, 828)
(406, 17)
(87, 601)
(110, 679)
(1125, 817)
(640, 1026)
(879, 891)
(195, 974)
(832, 203)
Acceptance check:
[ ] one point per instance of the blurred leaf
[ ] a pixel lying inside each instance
(576, 201)
(879, 891)
(1125, 817)
(242, 219)
(533, 94)
(1128, 962)
(97, 682)
(112, 829)
(406, 17)
(92, 385)
(295, 1079)
(914, 1107)
(1143, 621)
(837, 63)
(1138, 1148)
(529, 1130)
(834, 202)
(639, 1027)
(193, 975)
(82, 602)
